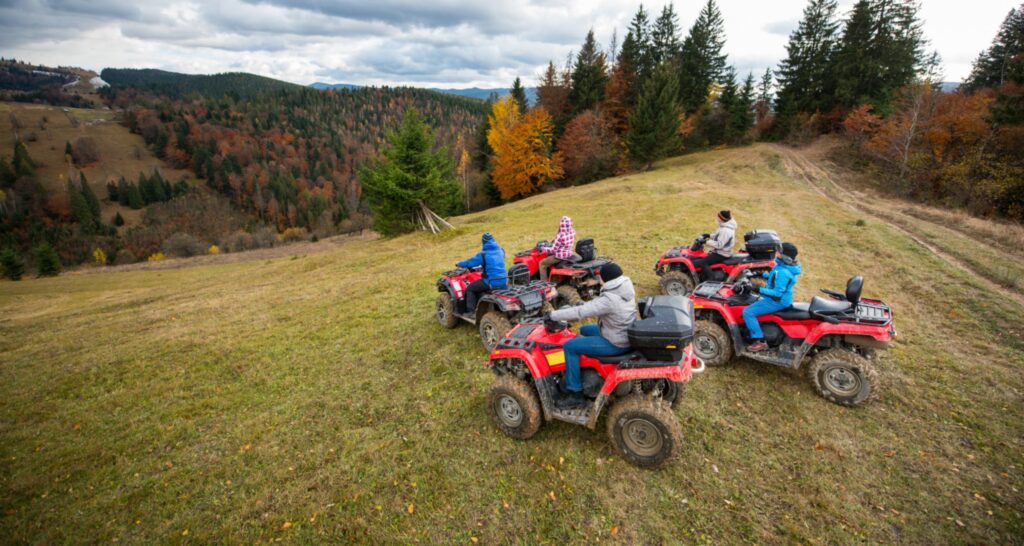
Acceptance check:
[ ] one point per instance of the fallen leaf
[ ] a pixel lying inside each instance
(615, 531)
(286, 525)
(411, 509)
(474, 539)
(714, 468)
(551, 495)
(78, 426)
(561, 460)
(184, 533)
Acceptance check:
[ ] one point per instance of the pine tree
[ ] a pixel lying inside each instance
(806, 79)
(642, 54)
(81, 212)
(12, 264)
(741, 114)
(589, 76)
(111, 191)
(763, 106)
(654, 126)
(135, 199)
(90, 198)
(703, 62)
(122, 192)
(118, 219)
(68, 150)
(47, 261)
(519, 94)
(665, 37)
(7, 174)
(992, 67)
(410, 173)
(22, 163)
(158, 188)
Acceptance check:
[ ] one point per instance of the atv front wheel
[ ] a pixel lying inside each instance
(493, 327)
(446, 310)
(568, 296)
(514, 407)
(843, 377)
(711, 343)
(644, 431)
(676, 283)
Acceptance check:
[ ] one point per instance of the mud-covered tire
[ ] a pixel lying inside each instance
(843, 377)
(712, 344)
(493, 328)
(567, 296)
(644, 431)
(514, 407)
(445, 310)
(676, 283)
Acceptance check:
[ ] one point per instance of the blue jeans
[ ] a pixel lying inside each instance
(760, 307)
(589, 343)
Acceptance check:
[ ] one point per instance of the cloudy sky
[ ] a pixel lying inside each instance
(444, 43)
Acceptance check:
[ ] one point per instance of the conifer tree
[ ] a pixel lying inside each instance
(993, 66)
(22, 163)
(519, 94)
(118, 219)
(763, 106)
(90, 198)
(589, 76)
(703, 62)
(122, 192)
(642, 54)
(665, 46)
(47, 261)
(806, 80)
(654, 126)
(12, 264)
(741, 114)
(410, 173)
(135, 199)
(80, 210)
(111, 191)
(7, 174)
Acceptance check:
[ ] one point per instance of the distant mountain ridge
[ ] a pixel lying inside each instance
(481, 93)
(164, 82)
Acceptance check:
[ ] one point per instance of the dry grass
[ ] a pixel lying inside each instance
(121, 152)
(315, 398)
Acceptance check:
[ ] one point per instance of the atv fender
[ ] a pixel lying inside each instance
(444, 285)
(859, 333)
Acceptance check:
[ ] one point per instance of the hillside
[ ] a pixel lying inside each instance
(315, 398)
(481, 93)
(175, 84)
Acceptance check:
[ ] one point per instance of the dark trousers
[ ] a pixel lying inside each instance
(704, 264)
(473, 292)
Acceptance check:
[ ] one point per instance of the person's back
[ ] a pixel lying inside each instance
(775, 296)
(491, 259)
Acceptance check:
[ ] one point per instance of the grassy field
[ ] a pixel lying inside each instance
(315, 398)
(45, 130)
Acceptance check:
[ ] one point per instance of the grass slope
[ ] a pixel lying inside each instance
(121, 152)
(315, 398)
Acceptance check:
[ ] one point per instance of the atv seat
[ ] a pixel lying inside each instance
(797, 311)
(736, 259)
(822, 306)
(574, 259)
(618, 359)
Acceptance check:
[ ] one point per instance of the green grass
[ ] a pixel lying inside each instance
(319, 394)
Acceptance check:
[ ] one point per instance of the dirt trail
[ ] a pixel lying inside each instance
(822, 181)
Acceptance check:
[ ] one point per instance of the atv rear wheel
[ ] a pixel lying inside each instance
(568, 296)
(676, 283)
(644, 431)
(843, 377)
(711, 343)
(446, 310)
(514, 407)
(493, 327)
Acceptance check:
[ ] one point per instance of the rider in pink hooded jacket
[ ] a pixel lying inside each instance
(560, 249)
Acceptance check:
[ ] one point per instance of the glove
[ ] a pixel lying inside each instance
(547, 316)
(706, 235)
(755, 289)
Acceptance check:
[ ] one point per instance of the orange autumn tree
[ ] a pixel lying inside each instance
(522, 161)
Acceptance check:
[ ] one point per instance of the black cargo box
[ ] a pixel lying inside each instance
(664, 329)
(762, 243)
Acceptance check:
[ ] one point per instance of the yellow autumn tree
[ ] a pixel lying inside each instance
(522, 161)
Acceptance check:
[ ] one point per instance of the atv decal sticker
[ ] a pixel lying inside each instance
(556, 358)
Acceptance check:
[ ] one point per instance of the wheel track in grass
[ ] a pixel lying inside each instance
(821, 181)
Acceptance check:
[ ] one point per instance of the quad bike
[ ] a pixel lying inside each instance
(679, 275)
(577, 277)
(638, 388)
(497, 310)
(839, 334)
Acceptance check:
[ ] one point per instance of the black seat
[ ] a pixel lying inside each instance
(574, 259)
(797, 311)
(736, 259)
(823, 306)
(620, 358)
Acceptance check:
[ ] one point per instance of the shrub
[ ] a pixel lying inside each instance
(156, 257)
(125, 257)
(239, 241)
(12, 264)
(99, 257)
(85, 151)
(214, 249)
(47, 261)
(293, 234)
(183, 245)
(118, 219)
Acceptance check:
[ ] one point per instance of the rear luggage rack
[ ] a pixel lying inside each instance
(873, 312)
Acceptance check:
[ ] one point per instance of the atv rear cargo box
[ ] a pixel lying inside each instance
(762, 243)
(664, 329)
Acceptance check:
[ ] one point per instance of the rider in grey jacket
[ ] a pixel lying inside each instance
(721, 243)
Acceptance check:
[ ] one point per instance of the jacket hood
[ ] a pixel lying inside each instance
(565, 225)
(489, 243)
(792, 265)
(730, 224)
(620, 286)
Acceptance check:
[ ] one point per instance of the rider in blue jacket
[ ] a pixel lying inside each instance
(492, 258)
(776, 296)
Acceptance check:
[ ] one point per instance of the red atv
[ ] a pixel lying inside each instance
(679, 275)
(839, 334)
(497, 310)
(641, 387)
(576, 277)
